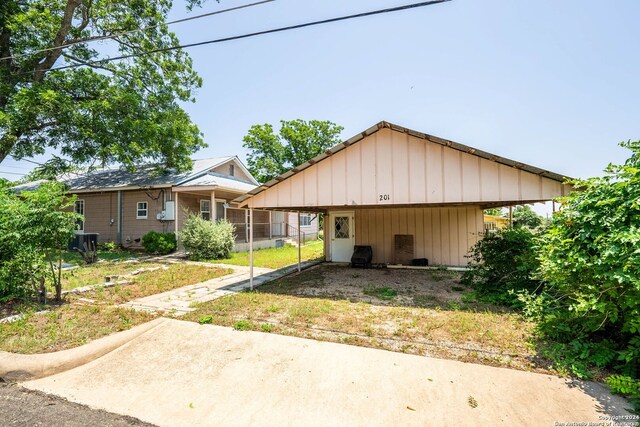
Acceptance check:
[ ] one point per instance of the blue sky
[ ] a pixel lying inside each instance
(550, 83)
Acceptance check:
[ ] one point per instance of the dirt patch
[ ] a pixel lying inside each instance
(417, 288)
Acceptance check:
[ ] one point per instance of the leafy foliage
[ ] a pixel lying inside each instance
(503, 263)
(524, 216)
(203, 239)
(590, 261)
(34, 229)
(126, 111)
(298, 141)
(159, 243)
(493, 211)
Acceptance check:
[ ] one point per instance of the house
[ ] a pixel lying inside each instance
(495, 222)
(407, 194)
(121, 206)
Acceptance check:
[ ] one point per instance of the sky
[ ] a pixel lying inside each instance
(550, 83)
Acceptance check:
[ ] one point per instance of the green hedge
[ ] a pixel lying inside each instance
(159, 243)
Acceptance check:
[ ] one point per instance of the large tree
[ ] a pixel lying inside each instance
(126, 111)
(298, 140)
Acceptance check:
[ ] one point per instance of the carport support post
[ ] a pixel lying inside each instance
(298, 242)
(251, 248)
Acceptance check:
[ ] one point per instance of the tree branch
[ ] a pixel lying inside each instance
(58, 41)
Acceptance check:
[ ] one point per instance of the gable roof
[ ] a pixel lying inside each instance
(146, 176)
(387, 125)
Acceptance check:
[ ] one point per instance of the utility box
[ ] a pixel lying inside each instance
(168, 214)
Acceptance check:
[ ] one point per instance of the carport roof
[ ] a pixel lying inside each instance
(384, 124)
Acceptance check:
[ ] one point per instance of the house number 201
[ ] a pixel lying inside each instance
(384, 197)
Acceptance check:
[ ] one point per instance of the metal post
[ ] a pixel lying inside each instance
(270, 227)
(298, 242)
(553, 206)
(177, 211)
(511, 216)
(251, 248)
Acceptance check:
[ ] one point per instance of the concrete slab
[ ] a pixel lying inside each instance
(185, 374)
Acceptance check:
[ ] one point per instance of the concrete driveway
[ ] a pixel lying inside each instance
(181, 373)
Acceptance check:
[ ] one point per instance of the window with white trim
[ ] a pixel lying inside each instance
(79, 209)
(305, 220)
(142, 210)
(205, 209)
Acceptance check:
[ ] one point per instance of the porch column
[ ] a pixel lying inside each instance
(511, 216)
(212, 207)
(298, 242)
(176, 213)
(270, 227)
(251, 248)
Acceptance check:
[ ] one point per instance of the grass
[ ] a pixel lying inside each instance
(276, 257)
(70, 325)
(74, 257)
(95, 273)
(66, 327)
(155, 282)
(483, 335)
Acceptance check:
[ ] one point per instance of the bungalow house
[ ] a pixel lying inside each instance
(121, 206)
(406, 194)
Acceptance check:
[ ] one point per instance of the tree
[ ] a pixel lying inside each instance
(524, 216)
(125, 111)
(590, 262)
(493, 211)
(298, 141)
(35, 226)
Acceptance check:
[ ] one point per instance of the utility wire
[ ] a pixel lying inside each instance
(123, 33)
(12, 173)
(254, 34)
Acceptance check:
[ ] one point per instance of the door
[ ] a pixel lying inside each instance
(343, 235)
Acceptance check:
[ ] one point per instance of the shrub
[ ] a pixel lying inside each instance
(35, 226)
(503, 263)
(590, 261)
(159, 243)
(203, 239)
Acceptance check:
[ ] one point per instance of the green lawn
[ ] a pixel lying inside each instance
(276, 257)
(74, 257)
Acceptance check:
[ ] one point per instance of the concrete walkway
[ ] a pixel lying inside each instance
(184, 374)
(178, 302)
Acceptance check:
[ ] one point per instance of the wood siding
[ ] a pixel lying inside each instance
(133, 228)
(99, 210)
(442, 235)
(238, 173)
(395, 168)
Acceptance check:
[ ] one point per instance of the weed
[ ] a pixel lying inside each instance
(243, 325)
(381, 293)
(266, 327)
(206, 319)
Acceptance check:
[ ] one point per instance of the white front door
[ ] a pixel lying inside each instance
(343, 235)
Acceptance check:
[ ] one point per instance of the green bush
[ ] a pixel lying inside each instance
(35, 226)
(159, 243)
(203, 239)
(502, 264)
(590, 262)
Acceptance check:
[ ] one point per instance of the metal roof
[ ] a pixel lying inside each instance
(216, 179)
(382, 125)
(143, 177)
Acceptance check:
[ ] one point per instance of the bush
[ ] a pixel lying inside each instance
(503, 263)
(35, 226)
(590, 261)
(159, 243)
(203, 239)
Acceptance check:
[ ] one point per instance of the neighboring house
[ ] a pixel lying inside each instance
(407, 194)
(121, 206)
(495, 222)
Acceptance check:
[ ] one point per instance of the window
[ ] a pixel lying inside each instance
(205, 209)
(341, 227)
(142, 210)
(305, 220)
(232, 170)
(79, 209)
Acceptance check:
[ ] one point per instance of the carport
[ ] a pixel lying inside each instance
(407, 194)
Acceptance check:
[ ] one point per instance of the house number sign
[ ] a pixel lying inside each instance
(384, 197)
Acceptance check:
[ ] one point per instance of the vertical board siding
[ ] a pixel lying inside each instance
(391, 167)
(442, 235)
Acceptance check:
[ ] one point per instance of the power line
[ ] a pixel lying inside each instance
(12, 173)
(123, 33)
(254, 34)
(27, 160)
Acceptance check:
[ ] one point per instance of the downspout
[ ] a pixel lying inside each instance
(120, 217)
